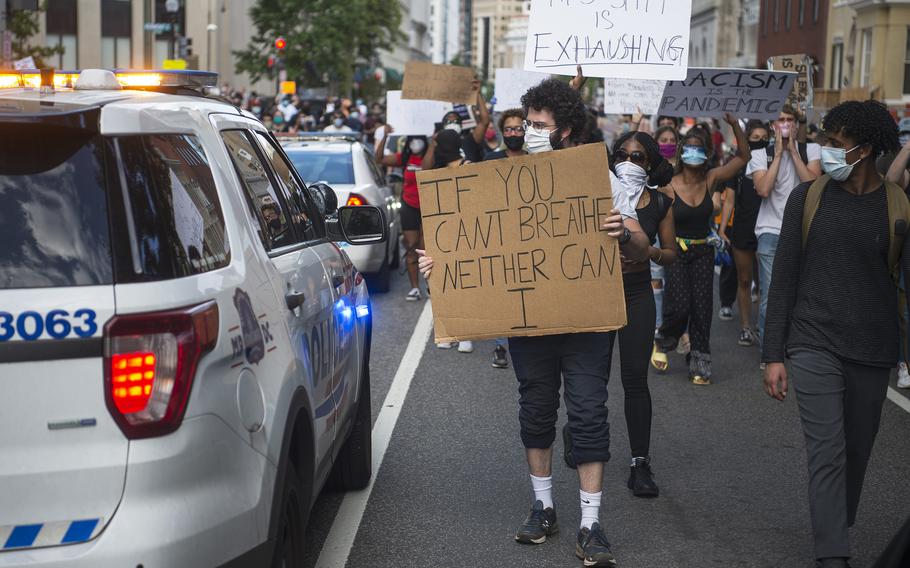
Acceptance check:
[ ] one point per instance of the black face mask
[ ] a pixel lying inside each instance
(758, 145)
(514, 142)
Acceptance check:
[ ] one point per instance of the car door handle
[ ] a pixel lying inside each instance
(294, 299)
(337, 281)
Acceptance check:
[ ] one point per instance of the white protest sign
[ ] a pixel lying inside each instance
(414, 117)
(511, 84)
(632, 39)
(627, 96)
(746, 93)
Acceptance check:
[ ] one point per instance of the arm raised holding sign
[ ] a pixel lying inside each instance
(728, 171)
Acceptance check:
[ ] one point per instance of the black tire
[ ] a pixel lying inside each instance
(354, 465)
(381, 281)
(291, 522)
(396, 258)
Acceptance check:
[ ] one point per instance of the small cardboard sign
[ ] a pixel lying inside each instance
(414, 118)
(512, 84)
(801, 95)
(712, 92)
(627, 96)
(518, 249)
(632, 39)
(428, 81)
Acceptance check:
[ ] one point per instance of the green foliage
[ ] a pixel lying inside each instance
(24, 24)
(324, 37)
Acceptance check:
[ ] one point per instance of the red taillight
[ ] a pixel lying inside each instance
(355, 200)
(150, 363)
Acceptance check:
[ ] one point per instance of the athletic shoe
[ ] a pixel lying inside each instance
(413, 295)
(755, 294)
(761, 366)
(465, 347)
(499, 358)
(700, 380)
(903, 377)
(593, 548)
(746, 339)
(641, 479)
(726, 313)
(567, 454)
(539, 524)
(445, 345)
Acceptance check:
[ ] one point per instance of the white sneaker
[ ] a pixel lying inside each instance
(903, 376)
(413, 295)
(465, 347)
(726, 313)
(445, 345)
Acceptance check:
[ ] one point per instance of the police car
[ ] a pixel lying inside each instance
(184, 350)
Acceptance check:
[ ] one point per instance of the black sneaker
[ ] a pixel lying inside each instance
(539, 524)
(567, 448)
(593, 548)
(499, 358)
(641, 479)
(746, 339)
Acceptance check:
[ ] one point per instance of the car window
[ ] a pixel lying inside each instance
(329, 166)
(169, 192)
(302, 212)
(378, 178)
(53, 219)
(274, 224)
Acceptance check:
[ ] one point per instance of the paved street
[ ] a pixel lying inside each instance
(730, 463)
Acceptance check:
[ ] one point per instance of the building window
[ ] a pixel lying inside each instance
(776, 15)
(789, 9)
(61, 30)
(907, 64)
(815, 4)
(116, 45)
(865, 69)
(802, 12)
(837, 66)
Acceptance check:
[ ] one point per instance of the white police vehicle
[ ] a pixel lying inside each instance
(184, 351)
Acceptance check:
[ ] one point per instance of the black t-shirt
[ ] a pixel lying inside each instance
(747, 202)
(497, 155)
(650, 216)
(472, 150)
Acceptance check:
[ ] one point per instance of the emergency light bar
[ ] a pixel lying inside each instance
(127, 78)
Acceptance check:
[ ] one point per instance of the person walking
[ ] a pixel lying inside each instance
(837, 321)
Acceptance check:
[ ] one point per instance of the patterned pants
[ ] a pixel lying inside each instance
(689, 304)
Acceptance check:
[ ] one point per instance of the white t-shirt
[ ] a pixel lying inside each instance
(624, 199)
(771, 212)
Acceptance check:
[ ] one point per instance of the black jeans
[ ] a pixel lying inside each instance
(635, 341)
(582, 362)
(728, 285)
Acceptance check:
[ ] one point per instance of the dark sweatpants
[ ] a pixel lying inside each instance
(582, 362)
(840, 404)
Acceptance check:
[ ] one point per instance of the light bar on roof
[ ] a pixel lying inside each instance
(128, 79)
(32, 78)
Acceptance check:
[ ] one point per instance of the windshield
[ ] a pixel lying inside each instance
(53, 209)
(332, 167)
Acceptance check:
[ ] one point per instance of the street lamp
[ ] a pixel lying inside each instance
(208, 44)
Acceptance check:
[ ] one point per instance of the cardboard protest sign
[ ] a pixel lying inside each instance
(801, 95)
(518, 249)
(438, 83)
(512, 84)
(746, 93)
(632, 39)
(625, 96)
(413, 117)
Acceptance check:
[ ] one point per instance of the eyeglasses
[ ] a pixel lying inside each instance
(513, 130)
(637, 158)
(537, 125)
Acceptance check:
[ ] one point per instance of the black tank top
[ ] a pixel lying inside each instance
(693, 222)
(650, 216)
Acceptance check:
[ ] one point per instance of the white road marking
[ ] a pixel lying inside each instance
(899, 399)
(341, 537)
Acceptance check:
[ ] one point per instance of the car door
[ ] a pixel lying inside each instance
(307, 291)
(346, 340)
(389, 205)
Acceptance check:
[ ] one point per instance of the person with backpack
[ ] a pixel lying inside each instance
(832, 311)
(775, 171)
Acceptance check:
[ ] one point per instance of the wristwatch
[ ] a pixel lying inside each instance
(626, 236)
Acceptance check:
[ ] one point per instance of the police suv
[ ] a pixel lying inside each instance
(184, 350)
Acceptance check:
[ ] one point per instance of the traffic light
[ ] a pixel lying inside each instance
(280, 43)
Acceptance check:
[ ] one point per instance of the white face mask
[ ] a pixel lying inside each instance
(834, 162)
(453, 126)
(417, 146)
(633, 176)
(538, 140)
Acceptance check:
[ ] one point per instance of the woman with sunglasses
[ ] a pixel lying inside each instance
(689, 298)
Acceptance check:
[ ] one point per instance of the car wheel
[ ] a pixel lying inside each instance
(354, 465)
(396, 258)
(381, 281)
(289, 542)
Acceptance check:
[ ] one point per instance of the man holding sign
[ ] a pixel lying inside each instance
(556, 119)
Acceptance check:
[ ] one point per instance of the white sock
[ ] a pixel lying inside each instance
(590, 508)
(543, 490)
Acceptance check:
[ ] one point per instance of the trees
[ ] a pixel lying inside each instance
(24, 24)
(324, 37)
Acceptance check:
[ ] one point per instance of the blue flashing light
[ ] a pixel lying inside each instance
(363, 311)
(345, 311)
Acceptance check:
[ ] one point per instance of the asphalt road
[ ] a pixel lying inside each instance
(730, 463)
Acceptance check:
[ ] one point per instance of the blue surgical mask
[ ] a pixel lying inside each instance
(834, 162)
(693, 155)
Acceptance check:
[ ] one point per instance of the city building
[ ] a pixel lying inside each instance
(415, 26)
(788, 27)
(490, 24)
(444, 30)
(723, 33)
(466, 27)
(516, 37)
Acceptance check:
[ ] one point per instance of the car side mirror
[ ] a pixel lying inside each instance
(358, 225)
(325, 198)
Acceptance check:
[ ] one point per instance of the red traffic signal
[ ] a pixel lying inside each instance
(280, 43)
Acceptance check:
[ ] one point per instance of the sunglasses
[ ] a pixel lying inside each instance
(637, 158)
